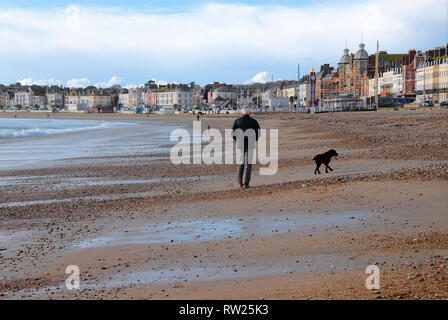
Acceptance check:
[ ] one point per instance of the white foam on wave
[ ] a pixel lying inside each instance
(35, 132)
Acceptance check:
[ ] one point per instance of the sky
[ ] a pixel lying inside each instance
(103, 43)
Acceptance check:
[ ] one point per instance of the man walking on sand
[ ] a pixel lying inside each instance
(245, 123)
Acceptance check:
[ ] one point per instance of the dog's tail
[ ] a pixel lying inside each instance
(315, 158)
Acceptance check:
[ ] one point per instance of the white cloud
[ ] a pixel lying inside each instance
(30, 81)
(162, 82)
(216, 34)
(261, 77)
(26, 82)
(131, 86)
(78, 83)
(112, 82)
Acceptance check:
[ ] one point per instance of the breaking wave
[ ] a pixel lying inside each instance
(45, 130)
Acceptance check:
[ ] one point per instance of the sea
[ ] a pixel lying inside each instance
(23, 128)
(38, 143)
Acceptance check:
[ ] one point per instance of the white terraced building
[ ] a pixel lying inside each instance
(40, 101)
(23, 98)
(224, 92)
(177, 97)
(271, 101)
(372, 86)
(77, 102)
(132, 98)
(432, 80)
(392, 82)
(55, 99)
(304, 93)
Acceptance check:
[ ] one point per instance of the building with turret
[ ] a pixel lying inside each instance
(344, 69)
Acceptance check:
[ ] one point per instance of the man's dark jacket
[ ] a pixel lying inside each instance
(244, 123)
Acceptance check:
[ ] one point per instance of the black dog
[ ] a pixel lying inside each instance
(325, 159)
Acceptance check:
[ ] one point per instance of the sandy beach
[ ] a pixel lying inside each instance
(139, 227)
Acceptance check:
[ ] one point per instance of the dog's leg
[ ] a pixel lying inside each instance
(326, 168)
(330, 168)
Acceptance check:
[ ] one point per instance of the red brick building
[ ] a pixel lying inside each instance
(410, 62)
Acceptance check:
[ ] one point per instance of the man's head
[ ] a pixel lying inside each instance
(245, 112)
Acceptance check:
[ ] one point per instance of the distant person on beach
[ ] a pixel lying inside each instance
(244, 123)
(197, 117)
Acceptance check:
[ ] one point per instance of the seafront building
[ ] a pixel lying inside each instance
(170, 96)
(55, 99)
(372, 86)
(432, 80)
(304, 92)
(224, 92)
(5, 100)
(77, 102)
(290, 92)
(343, 89)
(131, 98)
(23, 99)
(416, 75)
(123, 99)
(441, 83)
(99, 99)
(40, 101)
(273, 101)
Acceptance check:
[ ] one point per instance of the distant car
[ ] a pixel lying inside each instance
(444, 103)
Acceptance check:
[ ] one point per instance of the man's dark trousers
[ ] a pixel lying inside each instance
(244, 170)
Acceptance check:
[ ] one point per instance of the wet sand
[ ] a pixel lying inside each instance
(140, 228)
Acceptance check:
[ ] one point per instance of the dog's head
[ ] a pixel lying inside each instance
(332, 153)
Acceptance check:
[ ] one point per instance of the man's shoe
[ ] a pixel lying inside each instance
(246, 186)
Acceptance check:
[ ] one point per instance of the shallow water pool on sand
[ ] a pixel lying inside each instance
(178, 273)
(221, 229)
